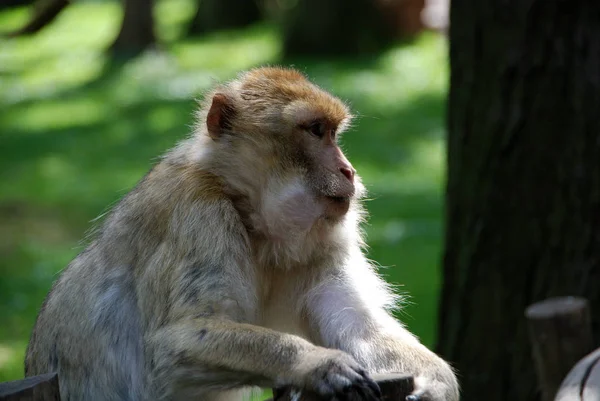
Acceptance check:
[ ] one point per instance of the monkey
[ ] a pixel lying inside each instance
(237, 261)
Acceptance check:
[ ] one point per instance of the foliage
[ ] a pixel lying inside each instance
(76, 133)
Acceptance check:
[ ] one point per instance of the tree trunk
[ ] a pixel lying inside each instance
(5, 4)
(44, 12)
(523, 191)
(137, 29)
(335, 27)
(215, 15)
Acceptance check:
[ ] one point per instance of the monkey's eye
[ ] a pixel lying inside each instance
(317, 129)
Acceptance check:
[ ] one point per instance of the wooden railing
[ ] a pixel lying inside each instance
(394, 387)
(35, 388)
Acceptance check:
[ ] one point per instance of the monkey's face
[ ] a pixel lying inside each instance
(328, 174)
(284, 132)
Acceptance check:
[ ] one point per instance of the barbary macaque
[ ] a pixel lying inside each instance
(236, 261)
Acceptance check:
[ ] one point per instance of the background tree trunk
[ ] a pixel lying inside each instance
(44, 12)
(523, 192)
(4, 4)
(335, 27)
(137, 29)
(214, 15)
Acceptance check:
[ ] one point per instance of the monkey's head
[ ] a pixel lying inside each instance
(273, 137)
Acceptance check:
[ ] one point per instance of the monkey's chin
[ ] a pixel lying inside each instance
(336, 207)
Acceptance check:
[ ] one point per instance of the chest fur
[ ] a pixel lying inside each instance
(282, 299)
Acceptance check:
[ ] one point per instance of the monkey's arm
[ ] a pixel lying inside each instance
(349, 312)
(219, 354)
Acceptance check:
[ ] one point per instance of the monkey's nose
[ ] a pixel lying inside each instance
(348, 173)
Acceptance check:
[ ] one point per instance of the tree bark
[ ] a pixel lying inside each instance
(215, 15)
(137, 29)
(523, 190)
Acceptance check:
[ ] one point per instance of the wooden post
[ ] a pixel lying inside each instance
(394, 387)
(34, 388)
(561, 334)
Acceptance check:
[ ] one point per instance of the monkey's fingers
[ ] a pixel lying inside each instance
(353, 385)
(371, 383)
(364, 392)
(338, 383)
(363, 388)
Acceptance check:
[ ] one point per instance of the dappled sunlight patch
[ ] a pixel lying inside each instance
(143, 77)
(157, 75)
(51, 76)
(12, 356)
(6, 355)
(77, 28)
(56, 114)
(419, 67)
(192, 67)
(225, 54)
(187, 86)
(57, 59)
(174, 18)
(398, 77)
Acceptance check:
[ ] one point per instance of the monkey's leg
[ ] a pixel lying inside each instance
(202, 355)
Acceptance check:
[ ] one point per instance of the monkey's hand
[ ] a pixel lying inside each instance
(333, 373)
(437, 384)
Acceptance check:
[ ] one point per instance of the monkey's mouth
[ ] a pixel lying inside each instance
(336, 206)
(339, 199)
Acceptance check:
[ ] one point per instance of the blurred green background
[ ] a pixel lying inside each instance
(77, 132)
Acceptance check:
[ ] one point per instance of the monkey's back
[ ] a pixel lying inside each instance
(89, 331)
(92, 327)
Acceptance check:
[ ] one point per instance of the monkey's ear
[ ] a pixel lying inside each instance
(220, 115)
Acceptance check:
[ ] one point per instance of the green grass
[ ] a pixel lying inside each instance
(76, 133)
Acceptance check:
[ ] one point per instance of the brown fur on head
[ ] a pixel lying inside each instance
(272, 136)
